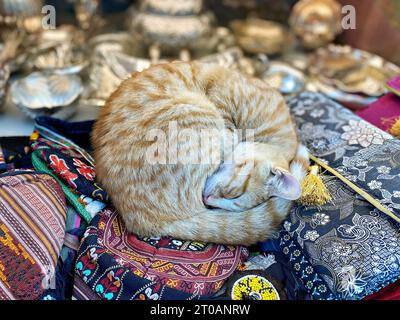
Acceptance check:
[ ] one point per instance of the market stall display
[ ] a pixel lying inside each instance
(347, 248)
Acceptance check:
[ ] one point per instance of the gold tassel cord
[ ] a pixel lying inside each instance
(314, 191)
(360, 191)
(395, 129)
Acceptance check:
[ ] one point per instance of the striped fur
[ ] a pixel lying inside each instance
(167, 199)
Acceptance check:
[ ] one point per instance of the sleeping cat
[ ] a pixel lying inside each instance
(239, 201)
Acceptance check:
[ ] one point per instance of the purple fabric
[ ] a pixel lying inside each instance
(394, 85)
(382, 113)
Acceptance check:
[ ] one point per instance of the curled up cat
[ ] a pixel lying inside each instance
(164, 182)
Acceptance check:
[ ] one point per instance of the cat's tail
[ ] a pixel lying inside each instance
(244, 228)
(301, 163)
(225, 227)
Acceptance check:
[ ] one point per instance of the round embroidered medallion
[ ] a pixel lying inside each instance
(255, 285)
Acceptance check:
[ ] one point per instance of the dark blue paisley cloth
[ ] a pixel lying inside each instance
(352, 246)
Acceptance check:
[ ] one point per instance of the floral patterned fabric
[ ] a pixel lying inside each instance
(364, 154)
(68, 161)
(352, 246)
(71, 165)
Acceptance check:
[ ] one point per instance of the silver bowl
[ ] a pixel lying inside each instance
(232, 58)
(172, 7)
(46, 94)
(352, 71)
(60, 51)
(172, 31)
(111, 63)
(118, 41)
(284, 77)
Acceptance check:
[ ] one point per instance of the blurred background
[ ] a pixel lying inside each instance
(378, 21)
(68, 70)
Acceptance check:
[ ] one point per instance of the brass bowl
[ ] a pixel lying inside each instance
(316, 22)
(261, 36)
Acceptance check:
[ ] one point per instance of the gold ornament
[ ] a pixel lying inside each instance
(261, 36)
(316, 22)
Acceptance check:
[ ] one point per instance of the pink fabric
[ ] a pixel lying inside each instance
(382, 113)
(394, 85)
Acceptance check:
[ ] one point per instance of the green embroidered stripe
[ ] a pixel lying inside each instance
(69, 195)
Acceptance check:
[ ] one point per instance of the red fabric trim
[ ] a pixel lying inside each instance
(391, 292)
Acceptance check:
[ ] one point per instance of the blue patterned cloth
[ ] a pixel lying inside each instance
(352, 247)
(282, 270)
(303, 269)
(64, 279)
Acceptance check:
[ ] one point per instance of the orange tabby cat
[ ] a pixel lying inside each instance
(157, 194)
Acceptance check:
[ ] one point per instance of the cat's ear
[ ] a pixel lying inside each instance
(285, 185)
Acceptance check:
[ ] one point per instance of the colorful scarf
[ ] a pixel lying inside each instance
(71, 166)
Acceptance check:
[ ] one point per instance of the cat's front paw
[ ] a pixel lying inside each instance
(227, 188)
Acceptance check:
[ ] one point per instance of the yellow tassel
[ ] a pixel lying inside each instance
(395, 129)
(314, 191)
